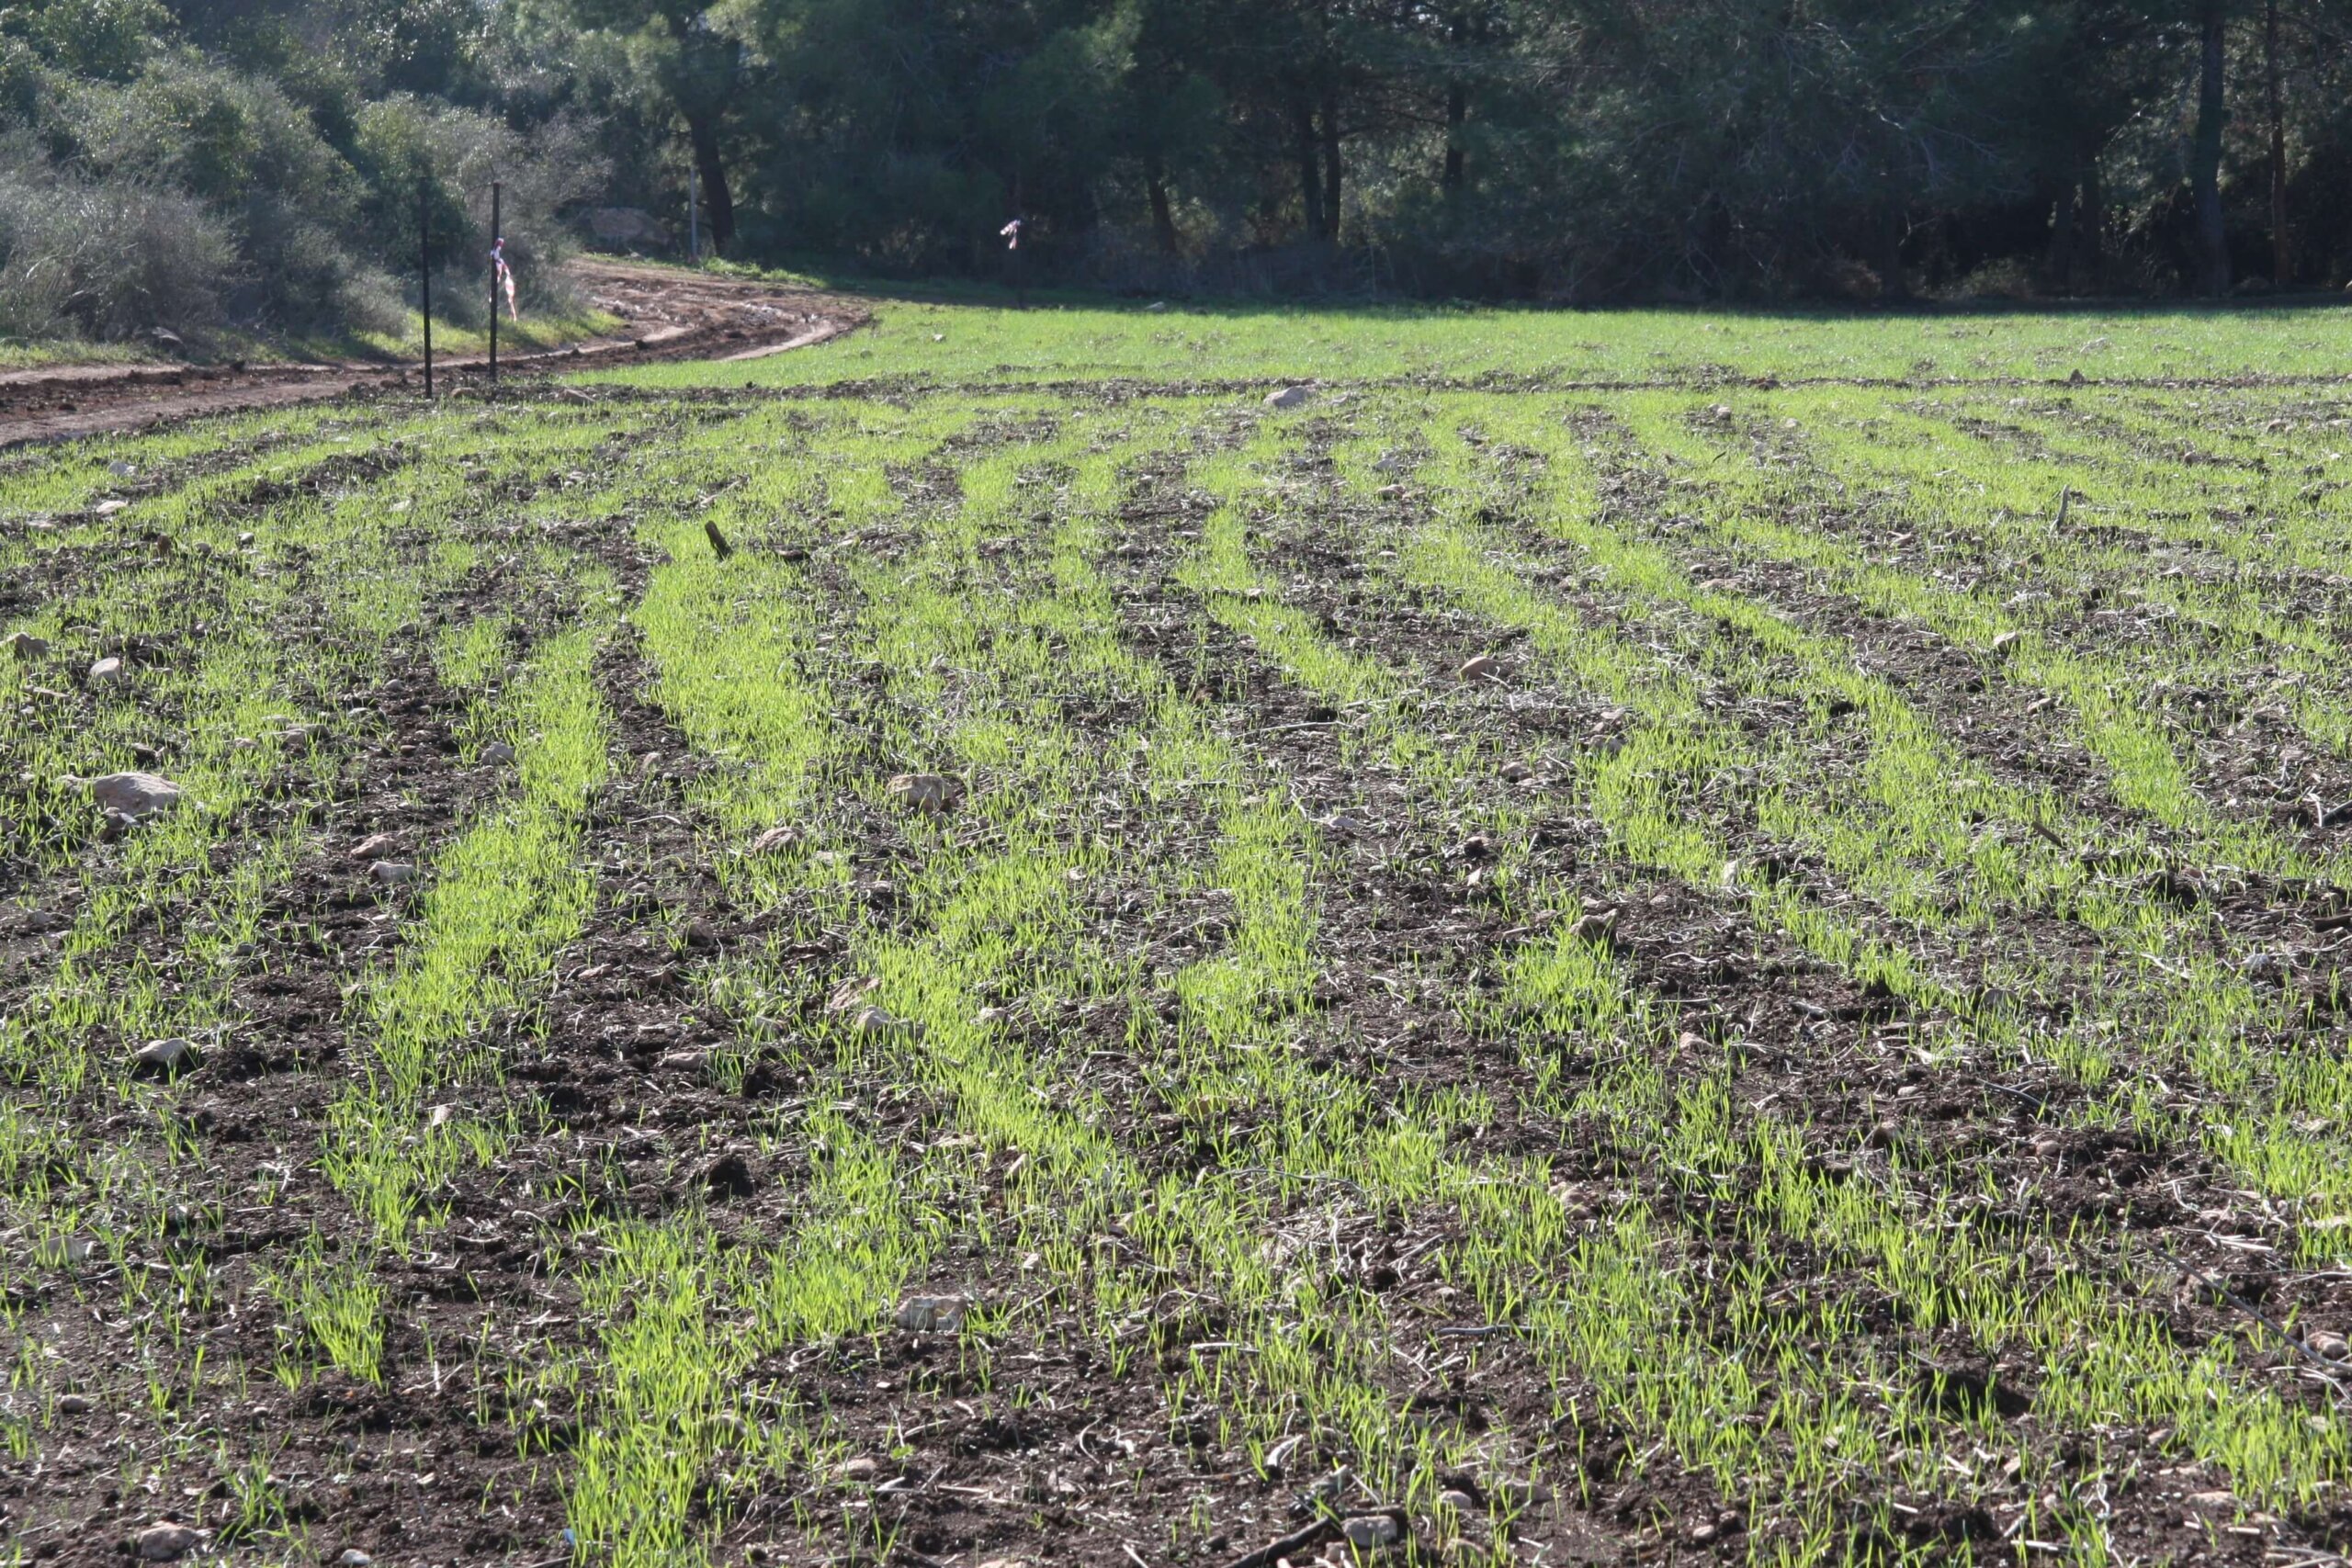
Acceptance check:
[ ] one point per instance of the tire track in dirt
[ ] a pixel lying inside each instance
(695, 316)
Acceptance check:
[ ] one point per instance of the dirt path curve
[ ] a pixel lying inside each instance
(671, 315)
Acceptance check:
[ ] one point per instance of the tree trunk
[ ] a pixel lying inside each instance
(1331, 168)
(1892, 283)
(719, 205)
(1459, 34)
(2205, 161)
(2282, 266)
(2090, 230)
(1457, 109)
(2058, 270)
(1163, 221)
(1310, 181)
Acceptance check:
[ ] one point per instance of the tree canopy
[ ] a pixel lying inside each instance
(1576, 150)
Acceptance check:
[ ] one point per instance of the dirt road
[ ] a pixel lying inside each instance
(669, 315)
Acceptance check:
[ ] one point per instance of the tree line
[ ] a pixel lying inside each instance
(168, 161)
(1574, 149)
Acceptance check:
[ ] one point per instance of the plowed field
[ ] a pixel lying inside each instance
(1583, 939)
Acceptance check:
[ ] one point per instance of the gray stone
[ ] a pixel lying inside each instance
(167, 1057)
(931, 1314)
(168, 1542)
(135, 794)
(927, 792)
(873, 1022)
(1370, 1531)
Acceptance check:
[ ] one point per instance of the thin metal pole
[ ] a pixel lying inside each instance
(694, 231)
(495, 240)
(425, 271)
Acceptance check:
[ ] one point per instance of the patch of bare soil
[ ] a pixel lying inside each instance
(670, 314)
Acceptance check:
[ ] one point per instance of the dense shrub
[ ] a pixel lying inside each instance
(112, 258)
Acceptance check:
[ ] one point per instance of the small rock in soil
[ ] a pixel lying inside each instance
(66, 1253)
(871, 1022)
(134, 796)
(1596, 927)
(927, 792)
(497, 754)
(26, 647)
(1461, 1501)
(107, 671)
(168, 1542)
(375, 846)
(1371, 1531)
(1483, 668)
(393, 873)
(931, 1314)
(165, 1057)
(775, 839)
(1289, 397)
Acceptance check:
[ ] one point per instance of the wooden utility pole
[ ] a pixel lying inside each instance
(424, 272)
(2282, 268)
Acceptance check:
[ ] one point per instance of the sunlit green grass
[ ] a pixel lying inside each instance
(975, 344)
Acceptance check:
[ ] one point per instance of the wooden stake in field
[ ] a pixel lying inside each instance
(497, 266)
(425, 273)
